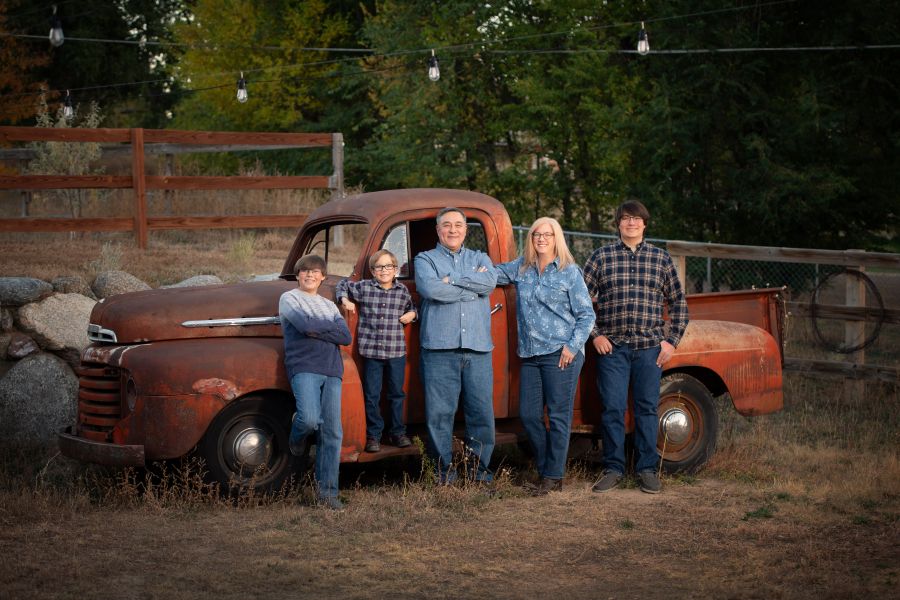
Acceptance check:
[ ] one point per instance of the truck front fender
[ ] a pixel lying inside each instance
(174, 389)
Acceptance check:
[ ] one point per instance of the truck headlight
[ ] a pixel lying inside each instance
(130, 394)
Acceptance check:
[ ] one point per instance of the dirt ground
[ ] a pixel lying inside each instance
(700, 538)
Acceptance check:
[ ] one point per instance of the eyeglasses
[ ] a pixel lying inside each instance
(310, 271)
(380, 268)
(538, 235)
(630, 219)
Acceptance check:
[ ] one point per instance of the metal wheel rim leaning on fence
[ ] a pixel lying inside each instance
(872, 290)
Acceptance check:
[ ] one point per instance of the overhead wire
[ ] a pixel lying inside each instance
(485, 46)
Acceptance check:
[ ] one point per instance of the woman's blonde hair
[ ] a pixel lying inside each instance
(562, 249)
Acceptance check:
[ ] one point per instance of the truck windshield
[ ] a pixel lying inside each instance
(340, 245)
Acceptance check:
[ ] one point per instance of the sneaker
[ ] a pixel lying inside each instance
(373, 445)
(546, 486)
(331, 503)
(609, 480)
(401, 441)
(649, 482)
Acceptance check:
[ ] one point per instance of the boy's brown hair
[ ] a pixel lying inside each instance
(374, 258)
(310, 261)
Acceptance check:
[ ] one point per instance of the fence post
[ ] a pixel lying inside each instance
(139, 184)
(26, 194)
(169, 195)
(337, 160)
(681, 268)
(854, 333)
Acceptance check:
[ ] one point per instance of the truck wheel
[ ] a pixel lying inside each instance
(247, 445)
(688, 425)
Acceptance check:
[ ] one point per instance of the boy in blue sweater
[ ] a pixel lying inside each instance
(313, 331)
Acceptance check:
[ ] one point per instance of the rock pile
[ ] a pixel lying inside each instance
(43, 329)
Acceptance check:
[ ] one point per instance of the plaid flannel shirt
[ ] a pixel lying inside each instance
(380, 333)
(629, 290)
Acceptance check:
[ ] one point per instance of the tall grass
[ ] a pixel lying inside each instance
(826, 445)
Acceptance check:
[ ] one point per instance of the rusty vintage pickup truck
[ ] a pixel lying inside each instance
(175, 371)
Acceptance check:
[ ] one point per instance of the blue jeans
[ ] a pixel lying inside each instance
(319, 411)
(542, 383)
(374, 370)
(614, 373)
(451, 375)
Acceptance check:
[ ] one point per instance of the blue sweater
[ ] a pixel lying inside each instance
(313, 329)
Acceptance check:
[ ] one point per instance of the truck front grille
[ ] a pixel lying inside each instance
(99, 400)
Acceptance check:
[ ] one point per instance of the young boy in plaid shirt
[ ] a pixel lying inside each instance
(385, 306)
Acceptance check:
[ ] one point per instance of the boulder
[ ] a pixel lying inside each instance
(110, 283)
(20, 346)
(16, 291)
(72, 284)
(6, 319)
(38, 397)
(59, 323)
(5, 339)
(196, 281)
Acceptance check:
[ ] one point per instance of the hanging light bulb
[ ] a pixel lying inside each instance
(643, 46)
(68, 109)
(434, 71)
(242, 89)
(56, 33)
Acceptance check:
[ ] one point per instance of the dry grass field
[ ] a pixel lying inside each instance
(800, 504)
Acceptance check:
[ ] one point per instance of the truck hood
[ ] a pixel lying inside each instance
(156, 315)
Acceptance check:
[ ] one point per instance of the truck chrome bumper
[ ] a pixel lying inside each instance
(100, 453)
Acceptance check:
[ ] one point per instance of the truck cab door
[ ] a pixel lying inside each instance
(416, 233)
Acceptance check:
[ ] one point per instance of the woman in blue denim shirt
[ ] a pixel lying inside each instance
(555, 317)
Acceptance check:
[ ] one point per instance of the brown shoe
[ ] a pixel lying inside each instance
(373, 445)
(546, 486)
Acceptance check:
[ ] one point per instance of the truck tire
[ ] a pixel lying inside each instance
(688, 424)
(246, 446)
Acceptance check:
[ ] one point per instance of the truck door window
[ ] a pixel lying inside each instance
(340, 245)
(423, 236)
(475, 238)
(397, 242)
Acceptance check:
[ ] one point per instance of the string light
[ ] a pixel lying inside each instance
(68, 109)
(434, 71)
(643, 46)
(56, 33)
(242, 89)
(433, 66)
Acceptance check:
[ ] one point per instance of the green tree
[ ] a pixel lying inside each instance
(263, 41)
(18, 69)
(290, 87)
(451, 132)
(128, 78)
(785, 149)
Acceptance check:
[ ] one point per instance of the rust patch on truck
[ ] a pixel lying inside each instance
(217, 387)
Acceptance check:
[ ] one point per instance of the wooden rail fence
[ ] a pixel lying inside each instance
(155, 141)
(855, 314)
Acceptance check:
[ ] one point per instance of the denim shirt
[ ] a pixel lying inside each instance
(553, 308)
(455, 314)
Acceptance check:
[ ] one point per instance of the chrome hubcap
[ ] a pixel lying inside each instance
(675, 425)
(251, 447)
